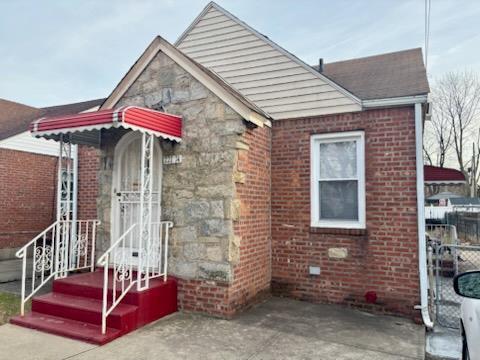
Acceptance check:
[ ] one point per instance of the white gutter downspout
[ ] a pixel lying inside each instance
(422, 244)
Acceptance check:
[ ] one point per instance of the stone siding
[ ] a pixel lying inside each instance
(198, 194)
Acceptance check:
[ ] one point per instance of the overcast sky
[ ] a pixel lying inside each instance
(59, 51)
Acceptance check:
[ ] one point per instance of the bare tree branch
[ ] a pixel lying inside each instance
(455, 122)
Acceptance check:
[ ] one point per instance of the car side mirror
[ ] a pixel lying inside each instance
(468, 284)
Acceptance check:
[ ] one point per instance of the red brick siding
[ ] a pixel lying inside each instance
(88, 166)
(27, 195)
(384, 257)
(208, 297)
(252, 273)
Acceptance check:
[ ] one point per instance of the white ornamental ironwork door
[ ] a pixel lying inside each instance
(127, 199)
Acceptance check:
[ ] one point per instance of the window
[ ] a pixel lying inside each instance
(338, 180)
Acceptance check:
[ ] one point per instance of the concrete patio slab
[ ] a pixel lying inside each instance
(26, 344)
(15, 287)
(10, 270)
(276, 329)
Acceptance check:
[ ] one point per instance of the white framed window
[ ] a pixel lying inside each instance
(337, 187)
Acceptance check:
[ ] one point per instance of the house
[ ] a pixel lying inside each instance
(27, 178)
(243, 171)
(439, 180)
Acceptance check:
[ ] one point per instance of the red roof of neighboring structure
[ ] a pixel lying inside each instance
(131, 117)
(442, 175)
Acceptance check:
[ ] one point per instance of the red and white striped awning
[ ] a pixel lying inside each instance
(85, 126)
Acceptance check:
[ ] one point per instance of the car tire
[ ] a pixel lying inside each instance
(465, 353)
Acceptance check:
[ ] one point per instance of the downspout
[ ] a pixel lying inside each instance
(422, 244)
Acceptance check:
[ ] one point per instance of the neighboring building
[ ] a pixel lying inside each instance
(465, 203)
(27, 174)
(277, 177)
(444, 180)
(440, 199)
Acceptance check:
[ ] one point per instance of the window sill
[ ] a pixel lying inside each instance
(338, 231)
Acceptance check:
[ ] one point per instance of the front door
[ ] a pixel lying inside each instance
(127, 191)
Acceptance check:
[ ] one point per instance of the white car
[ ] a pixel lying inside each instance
(467, 285)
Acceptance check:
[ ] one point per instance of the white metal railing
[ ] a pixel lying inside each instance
(64, 246)
(438, 212)
(126, 264)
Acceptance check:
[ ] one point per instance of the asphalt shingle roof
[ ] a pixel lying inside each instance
(73, 108)
(15, 117)
(395, 74)
(435, 173)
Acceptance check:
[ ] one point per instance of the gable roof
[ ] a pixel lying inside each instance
(270, 76)
(15, 117)
(265, 38)
(435, 174)
(396, 74)
(212, 81)
(73, 108)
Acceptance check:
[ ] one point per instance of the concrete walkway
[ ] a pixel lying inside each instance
(276, 329)
(10, 270)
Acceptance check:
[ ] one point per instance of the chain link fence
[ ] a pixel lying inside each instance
(448, 260)
(467, 224)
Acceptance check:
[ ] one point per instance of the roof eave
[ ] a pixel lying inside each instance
(395, 101)
(159, 44)
(445, 182)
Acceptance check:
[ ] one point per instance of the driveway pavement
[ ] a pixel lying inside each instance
(276, 329)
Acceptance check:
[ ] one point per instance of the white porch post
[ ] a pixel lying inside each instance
(64, 203)
(73, 204)
(145, 228)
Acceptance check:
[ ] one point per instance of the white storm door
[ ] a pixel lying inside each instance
(127, 192)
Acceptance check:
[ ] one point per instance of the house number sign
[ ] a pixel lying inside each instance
(172, 159)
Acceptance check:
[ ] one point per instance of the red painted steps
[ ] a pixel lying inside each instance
(89, 310)
(74, 308)
(68, 328)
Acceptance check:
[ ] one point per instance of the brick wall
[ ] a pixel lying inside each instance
(252, 273)
(27, 195)
(384, 257)
(252, 229)
(88, 165)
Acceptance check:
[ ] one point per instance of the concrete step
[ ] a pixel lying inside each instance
(74, 308)
(66, 327)
(79, 308)
(10, 270)
(443, 344)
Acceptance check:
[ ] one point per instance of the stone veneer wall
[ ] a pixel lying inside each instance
(200, 194)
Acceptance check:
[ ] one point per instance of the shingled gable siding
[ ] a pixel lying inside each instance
(384, 257)
(260, 71)
(27, 195)
(218, 197)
